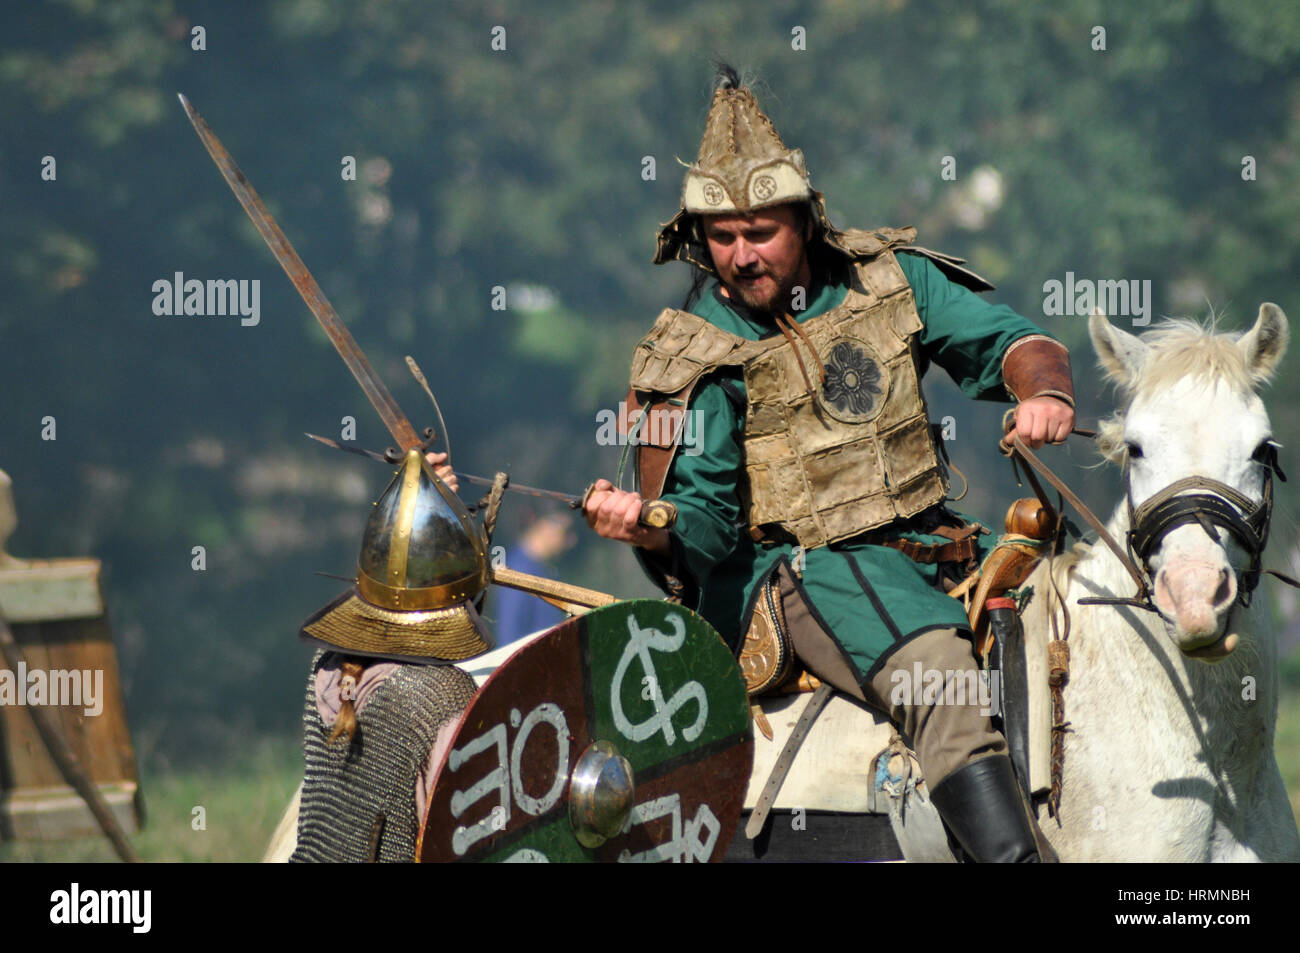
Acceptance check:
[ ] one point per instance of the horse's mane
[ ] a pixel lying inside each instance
(1184, 347)
(1180, 347)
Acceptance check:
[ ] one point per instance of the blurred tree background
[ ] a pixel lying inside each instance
(524, 169)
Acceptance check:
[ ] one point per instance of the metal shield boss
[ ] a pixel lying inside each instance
(622, 735)
(422, 563)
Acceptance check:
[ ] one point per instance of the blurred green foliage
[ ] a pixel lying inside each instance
(522, 168)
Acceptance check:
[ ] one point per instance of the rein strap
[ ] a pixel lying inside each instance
(1082, 509)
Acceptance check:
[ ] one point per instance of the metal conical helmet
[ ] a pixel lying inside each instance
(423, 560)
(421, 548)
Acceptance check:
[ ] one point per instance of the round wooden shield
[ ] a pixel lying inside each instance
(651, 680)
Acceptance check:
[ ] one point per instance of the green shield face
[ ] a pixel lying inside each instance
(620, 735)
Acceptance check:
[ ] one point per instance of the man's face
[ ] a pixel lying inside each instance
(760, 257)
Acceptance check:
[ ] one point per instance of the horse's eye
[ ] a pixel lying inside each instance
(1134, 451)
(1263, 451)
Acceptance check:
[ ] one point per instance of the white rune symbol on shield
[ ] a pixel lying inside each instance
(639, 645)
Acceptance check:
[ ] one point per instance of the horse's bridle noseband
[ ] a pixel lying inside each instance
(1222, 506)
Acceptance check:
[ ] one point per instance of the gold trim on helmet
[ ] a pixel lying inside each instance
(400, 546)
(421, 548)
(404, 599)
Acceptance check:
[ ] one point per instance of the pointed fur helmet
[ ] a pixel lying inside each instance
(743, 166)
(423, 561)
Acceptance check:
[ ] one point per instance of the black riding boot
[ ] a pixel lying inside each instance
(982, 806)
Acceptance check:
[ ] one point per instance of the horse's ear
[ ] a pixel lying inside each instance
(1265, 343)
(1121, 354)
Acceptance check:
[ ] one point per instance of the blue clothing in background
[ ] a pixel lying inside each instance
(517, 613)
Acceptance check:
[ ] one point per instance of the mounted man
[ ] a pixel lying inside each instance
(811, 510)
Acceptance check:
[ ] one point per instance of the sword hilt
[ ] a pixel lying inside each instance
(658, 514)
(655, 514)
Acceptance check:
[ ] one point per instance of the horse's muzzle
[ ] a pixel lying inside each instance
(1197, 597)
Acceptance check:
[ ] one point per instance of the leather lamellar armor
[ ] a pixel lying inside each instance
(823, 462)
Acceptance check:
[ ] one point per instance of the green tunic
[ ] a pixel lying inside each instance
(870, 597)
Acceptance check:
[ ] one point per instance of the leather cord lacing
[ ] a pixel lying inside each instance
(786, 324)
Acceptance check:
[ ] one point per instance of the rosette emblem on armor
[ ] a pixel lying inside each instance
(423, 561)
(856, 382)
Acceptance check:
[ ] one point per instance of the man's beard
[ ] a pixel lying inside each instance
(769, 303)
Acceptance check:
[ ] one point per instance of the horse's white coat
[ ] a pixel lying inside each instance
(1169, 757)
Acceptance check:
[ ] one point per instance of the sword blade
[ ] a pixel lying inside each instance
(570, 498)
(655, 514)
(378, 394)
(513, 487)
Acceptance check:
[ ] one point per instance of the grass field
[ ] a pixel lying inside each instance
(1288, 746)
(243, 801)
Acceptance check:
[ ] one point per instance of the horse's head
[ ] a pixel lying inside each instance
(1190, 412)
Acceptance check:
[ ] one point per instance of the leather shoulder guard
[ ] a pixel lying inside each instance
(952, 268)
(680, 348)
(865, 243)
(861, 243)
(667, 364)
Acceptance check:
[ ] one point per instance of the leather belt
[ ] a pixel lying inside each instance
(962, 550)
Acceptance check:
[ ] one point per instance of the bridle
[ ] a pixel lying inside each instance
(1217, 505)
(1222, 506)
(1214, 505)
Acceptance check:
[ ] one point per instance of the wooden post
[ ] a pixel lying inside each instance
(66, 770)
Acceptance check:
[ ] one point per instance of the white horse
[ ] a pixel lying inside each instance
(1169, 753)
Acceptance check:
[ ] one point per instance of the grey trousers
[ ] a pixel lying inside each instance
(946, 719)
(929, 688)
